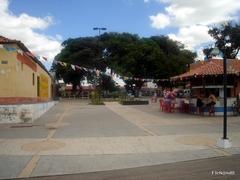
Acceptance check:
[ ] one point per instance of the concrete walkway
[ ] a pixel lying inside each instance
(75, 137)
(219, 168)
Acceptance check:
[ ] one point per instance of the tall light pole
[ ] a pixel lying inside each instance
(224, 142)
(99, 29)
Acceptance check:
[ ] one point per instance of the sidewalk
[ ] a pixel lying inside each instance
(74, 137)
(213, 168)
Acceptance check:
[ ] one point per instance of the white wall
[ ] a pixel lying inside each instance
(24, 112)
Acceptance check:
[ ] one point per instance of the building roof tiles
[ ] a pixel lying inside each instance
(210, 67)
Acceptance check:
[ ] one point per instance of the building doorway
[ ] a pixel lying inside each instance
(38, 86)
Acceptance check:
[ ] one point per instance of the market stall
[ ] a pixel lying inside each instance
(205, 79)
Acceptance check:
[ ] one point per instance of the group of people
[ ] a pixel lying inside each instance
(169, 94)
(210, 105)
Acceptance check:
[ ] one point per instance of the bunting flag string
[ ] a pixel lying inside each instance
(62, 63)
(19, 51)
(140, 79)
(45, 58)
(78, 67)
(98, 72)
(30, 54)
(73, 67)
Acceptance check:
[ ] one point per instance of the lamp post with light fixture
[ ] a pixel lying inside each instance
(224, 142)
(99, 29)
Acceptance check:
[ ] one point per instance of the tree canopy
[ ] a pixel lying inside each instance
(82, 51)
(126, 54)
(155, 57)
(227, 39)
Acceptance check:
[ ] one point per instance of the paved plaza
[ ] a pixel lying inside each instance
(75, 137)
(210, 168)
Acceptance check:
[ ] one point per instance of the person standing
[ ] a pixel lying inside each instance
(212, 98)
(154, 97)
(199, 105)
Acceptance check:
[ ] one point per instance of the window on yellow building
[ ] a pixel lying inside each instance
(33, 79)
(4, 62)
(38, 86)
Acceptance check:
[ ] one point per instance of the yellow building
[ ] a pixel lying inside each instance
(23, 78)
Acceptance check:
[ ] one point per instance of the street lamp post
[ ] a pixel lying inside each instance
(225, 96)
(99, 29)
(224, 142)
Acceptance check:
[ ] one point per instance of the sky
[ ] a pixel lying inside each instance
(43, 25)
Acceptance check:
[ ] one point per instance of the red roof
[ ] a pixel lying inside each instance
(6, 40)
(211, 67)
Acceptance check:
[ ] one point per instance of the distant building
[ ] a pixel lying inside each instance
(148, 89)
(23, 77)
(66, 90)
(206, 77)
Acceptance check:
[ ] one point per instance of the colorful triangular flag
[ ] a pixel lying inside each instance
(30, 54)
(73, 67)
(77, 67)
(45, 58)
(62, 63)
(97, 72)
(19, 51)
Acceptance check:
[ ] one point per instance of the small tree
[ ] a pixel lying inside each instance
(220, 32)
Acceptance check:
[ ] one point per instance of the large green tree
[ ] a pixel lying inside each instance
(127, 55)
(155, 57)
(84, 52)
(145, 58)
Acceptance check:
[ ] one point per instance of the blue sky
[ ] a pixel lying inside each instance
(74, 18)
(42, 25)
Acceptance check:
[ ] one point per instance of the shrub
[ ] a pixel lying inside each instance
(96, 98)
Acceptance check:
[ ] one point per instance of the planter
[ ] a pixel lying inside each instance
(137, 102)
(97, 103)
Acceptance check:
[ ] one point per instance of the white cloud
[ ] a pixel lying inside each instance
(200, 54)
(159, 21)
(193, 17)
(205, 12)
(23, 28)
(192, 36)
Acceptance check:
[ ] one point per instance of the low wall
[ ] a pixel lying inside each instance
(24, 112)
